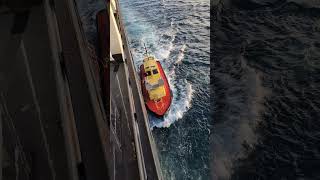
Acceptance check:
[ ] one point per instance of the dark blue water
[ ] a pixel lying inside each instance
(266, 83)
(177, 33)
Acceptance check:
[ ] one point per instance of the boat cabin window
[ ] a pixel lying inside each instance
(155, 71)
(148, 73)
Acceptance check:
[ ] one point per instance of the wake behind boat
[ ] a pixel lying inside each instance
(155, 87)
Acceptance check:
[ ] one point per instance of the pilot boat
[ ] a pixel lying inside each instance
(155, 87)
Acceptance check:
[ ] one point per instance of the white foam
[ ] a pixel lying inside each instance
(165, 50)
(181, 54)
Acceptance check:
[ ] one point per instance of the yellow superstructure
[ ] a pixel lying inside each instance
(154, 82)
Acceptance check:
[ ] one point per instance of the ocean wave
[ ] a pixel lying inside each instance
(264, 86)
(181, 54)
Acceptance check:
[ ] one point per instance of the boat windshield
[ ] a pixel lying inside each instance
(148, 73)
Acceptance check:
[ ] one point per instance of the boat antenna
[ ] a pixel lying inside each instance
(145, 48)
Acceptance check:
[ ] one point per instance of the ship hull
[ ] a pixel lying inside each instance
(161, 107)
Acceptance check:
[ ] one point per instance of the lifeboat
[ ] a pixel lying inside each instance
(155, 87)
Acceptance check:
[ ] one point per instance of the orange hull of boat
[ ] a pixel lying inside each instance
(158, 108)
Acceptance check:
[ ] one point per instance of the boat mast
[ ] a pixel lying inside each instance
(145, 48)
